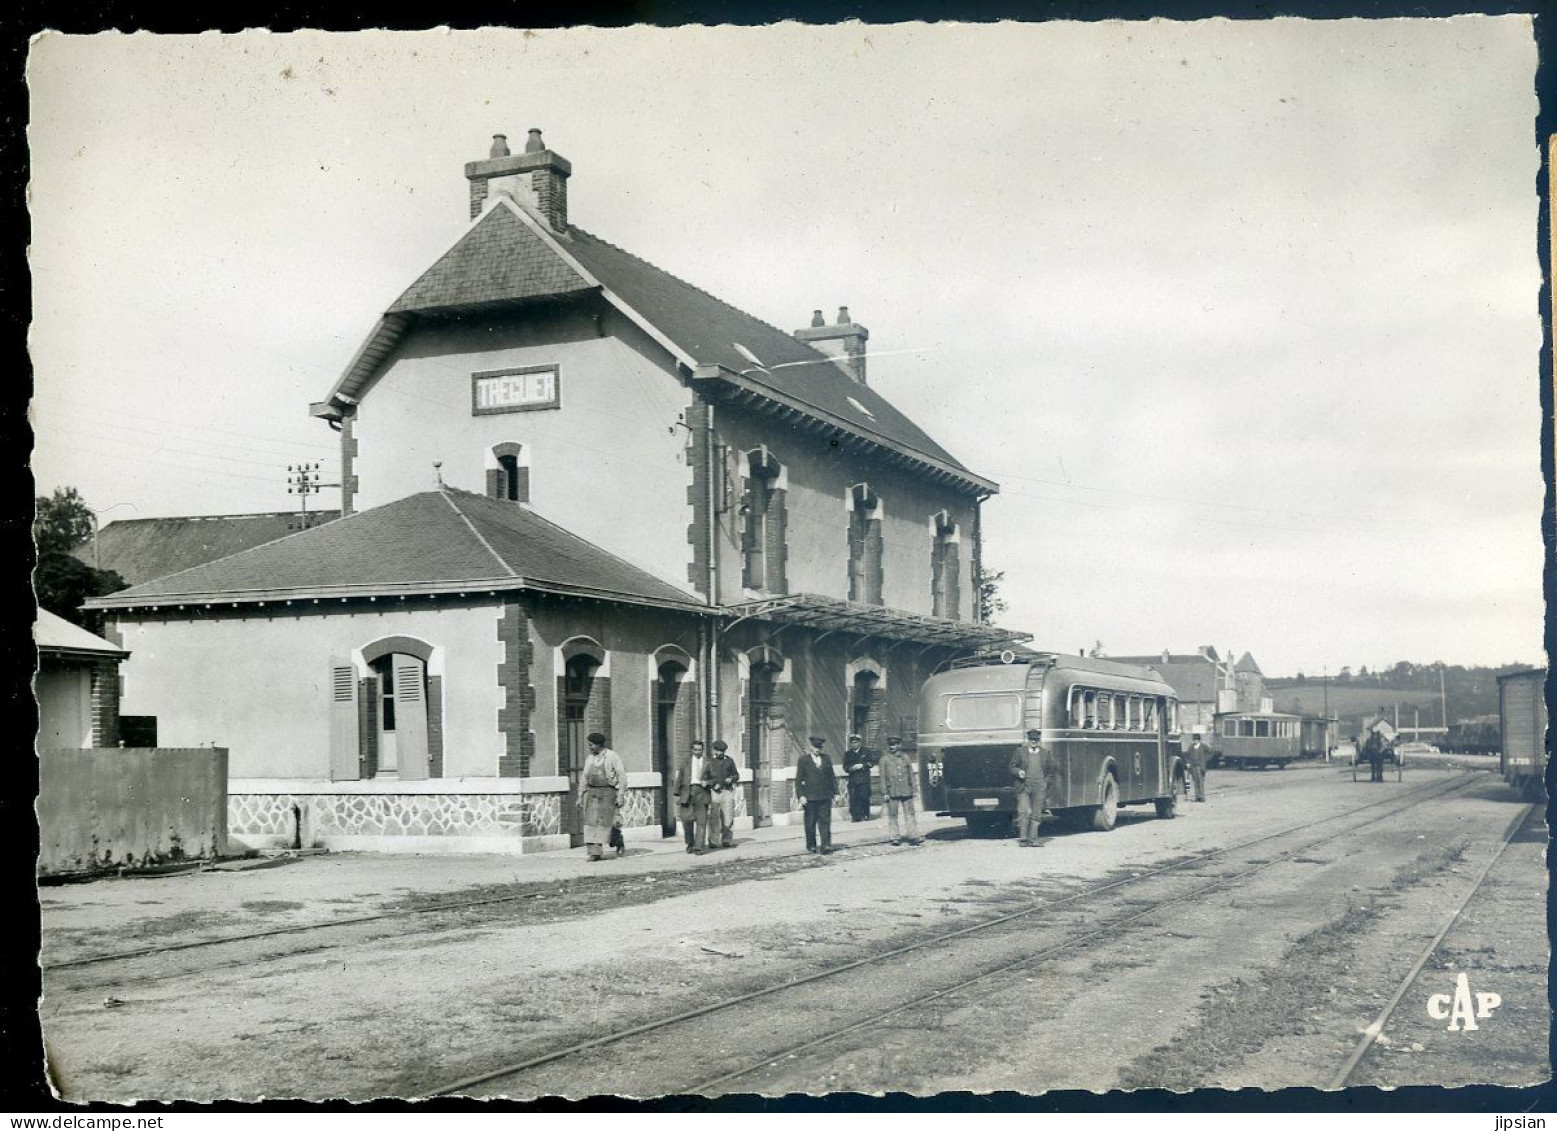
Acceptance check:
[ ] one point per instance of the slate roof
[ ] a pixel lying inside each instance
(1193, 678)
(54, 635)
(508, 256)
(442, 541)
(140, 549)
(501, 259)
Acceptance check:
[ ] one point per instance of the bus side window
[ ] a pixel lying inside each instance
(1120, 721)
(1089, 709)
(1151, 714)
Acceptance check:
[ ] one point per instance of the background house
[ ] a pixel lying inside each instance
(77, 685)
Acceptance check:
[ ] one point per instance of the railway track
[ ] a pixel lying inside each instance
(565, 888)
(818, 1033)
(1348, 1070)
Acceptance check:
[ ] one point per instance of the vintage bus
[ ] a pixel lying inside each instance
(1252, 739)
(1112, 728)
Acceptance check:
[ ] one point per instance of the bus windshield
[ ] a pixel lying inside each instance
(983, 712)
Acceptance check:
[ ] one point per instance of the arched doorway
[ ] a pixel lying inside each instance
(865, 708)
(671, 734)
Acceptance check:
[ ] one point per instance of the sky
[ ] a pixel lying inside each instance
(1242, 316)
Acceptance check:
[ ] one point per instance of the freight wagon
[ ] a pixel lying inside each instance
(1522, 708)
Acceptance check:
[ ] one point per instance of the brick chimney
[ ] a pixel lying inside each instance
(537, 177)
(844, 341)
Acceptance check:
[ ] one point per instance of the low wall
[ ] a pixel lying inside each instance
(105, 808)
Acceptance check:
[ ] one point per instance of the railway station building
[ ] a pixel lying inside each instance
(578, 494)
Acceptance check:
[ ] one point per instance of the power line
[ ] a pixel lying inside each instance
(115, 439)
(180, 424)
(69, 422)
(54, 441)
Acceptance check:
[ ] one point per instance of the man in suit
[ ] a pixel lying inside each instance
(1196, 758)
(692, 799)
(857, 762)
(816, 785)
(722, 778)
(1030, 775)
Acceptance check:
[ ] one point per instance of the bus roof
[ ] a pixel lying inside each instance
(997, 676)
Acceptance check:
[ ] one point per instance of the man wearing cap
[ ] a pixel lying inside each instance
(1197, 757)
(1029, 773)
(722, 778)
(857, 762)
(816, 785)
(692, 799)
(897, 783)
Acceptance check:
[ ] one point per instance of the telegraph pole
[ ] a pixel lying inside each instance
(302, 481)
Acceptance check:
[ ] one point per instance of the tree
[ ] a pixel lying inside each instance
(991, 603)
(61, 580)
(63, 522)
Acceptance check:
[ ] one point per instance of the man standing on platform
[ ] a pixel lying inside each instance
(816, 785)
(857, 762)
(723, 778)
(897, 783)
(1197, 757)
(1029, 773)
(692, 799)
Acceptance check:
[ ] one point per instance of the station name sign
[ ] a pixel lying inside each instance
(524, 389)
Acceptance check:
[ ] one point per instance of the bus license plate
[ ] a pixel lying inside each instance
(986, 802)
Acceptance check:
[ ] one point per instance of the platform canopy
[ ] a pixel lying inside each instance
(830, 614)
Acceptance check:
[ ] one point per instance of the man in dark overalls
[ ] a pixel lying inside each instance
(857, 762)
(1030, 775)
(1196, 758)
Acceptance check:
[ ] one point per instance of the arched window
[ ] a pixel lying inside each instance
(865, 549)
(945, 568)
(508, 473)
(763, 535)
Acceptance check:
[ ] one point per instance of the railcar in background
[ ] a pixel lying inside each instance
(1112, 729)
(1522, 710)
(1254, 739)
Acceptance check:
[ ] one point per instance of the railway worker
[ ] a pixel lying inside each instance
(1030, 773)
(722, 778)
(1373, 753)
(692, 799)
(1196, 758)
(816, 785)
(857, 762)
(897, 783)
(603, 788)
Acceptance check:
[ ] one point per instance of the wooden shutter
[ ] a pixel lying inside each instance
(344, 756)
(410, 718)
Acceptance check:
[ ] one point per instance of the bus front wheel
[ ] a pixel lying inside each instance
(1168, 807)
(1105, 816)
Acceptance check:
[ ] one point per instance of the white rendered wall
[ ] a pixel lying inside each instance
(259, 684)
